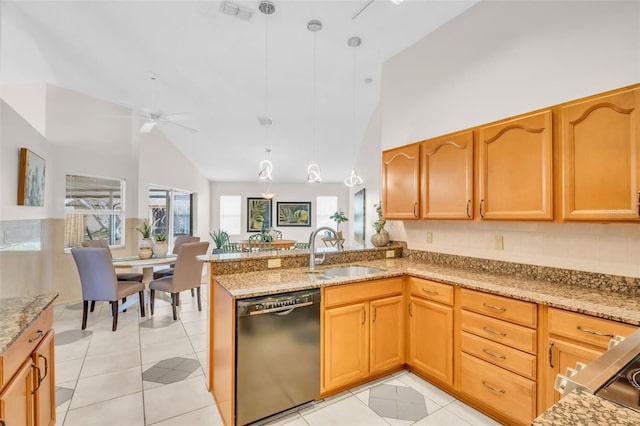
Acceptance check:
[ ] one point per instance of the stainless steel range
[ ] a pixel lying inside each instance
(615, 375)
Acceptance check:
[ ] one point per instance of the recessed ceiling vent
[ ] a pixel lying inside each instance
(232, 9)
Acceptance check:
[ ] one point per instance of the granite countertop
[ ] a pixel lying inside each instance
(581, 408)
(17, 314)
(610, 305)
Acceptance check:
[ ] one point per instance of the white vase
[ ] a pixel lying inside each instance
(380, 239)
(145, 248)
(160, 249)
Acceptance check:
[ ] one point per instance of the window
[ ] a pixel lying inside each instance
(171, 212)
(230, 214)
(94, 209)
(326, 206)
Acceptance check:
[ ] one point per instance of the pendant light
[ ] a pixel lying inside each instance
(266, 167)
(313, 170)
(354, 179)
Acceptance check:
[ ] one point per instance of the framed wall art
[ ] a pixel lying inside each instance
(258, 214)
(31, 179)
(294, 214)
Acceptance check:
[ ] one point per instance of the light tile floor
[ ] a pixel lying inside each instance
(150, 372)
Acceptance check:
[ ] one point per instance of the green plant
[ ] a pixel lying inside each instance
(378, 225)
(160, 238)
(339, 217)
(219, 237)
(145, 229)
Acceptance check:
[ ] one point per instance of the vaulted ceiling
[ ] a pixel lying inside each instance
(226, 71)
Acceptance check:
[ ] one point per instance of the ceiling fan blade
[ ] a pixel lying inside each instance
(147, 126)
(190, 129)
(178, 116)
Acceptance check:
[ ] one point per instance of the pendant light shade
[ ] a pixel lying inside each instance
(313, 170)
(354, 179)
(266, 167)
(313, 173)
(268, 194)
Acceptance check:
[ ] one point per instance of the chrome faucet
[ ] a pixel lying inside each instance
(312, 247)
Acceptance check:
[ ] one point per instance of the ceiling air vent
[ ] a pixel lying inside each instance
(265, 121)
(232, 9)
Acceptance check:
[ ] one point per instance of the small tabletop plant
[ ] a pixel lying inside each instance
(339, 217)
(161, 238)
(219, 237)
(145, 229)
(378, 225)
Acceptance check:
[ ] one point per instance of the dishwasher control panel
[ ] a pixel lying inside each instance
(276, 303)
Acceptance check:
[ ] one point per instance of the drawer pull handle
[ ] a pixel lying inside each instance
(492, 331)
(38, 335)
(496, 390)
(597, 333)
(493, 355)
(494, 307)
(426, 290)
(46, 365)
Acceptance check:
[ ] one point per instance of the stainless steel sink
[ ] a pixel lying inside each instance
(350, 271)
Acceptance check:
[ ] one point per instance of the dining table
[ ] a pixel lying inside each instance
(275, 244)
(147, 266)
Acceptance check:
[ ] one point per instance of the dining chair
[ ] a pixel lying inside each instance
(176, 246)
(99, 282)
(258, 242)
(187, 275)
(306, 245)
(231, 248)
(122, 276)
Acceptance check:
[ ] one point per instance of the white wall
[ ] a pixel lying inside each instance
(500, 59)
(285, 192)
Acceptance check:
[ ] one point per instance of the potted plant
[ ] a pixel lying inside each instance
(381, 237)
(145, 248)
(160, 247)
(339, 217)
(220, 238)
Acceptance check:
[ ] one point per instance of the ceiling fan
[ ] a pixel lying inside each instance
(151, 117)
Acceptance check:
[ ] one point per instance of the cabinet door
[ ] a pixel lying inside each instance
(387, 334)
(44, 397)
(563, 355)
(431, 339)
(16, 401)
(447, 177)
(346, 343)
(401, 182)
(515, 168)
(600, 140)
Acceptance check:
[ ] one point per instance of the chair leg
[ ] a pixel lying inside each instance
(192, 293)
(93, 305)
(124, 299)
(85, 306)
(152, 297)
(199, 301)
(114, 312)
(174, 300)
(141, 294)
(178, 299)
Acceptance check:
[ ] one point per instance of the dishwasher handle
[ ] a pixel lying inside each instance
(284, 310)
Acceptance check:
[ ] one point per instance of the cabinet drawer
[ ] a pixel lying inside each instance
(517, 311)
(438, 292)
(500, 355)
(585, 328)
(25, 344)
(500, 389)
(349, 293)
(503, 332)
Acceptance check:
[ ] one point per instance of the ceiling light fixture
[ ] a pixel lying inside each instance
(266, 167)
(313, 170)
(354, 179)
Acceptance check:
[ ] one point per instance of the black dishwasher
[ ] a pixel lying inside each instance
(277, 353)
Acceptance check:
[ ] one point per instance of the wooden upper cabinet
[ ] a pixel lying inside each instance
(516, 168)
(401, 182)
(600, 140)
(447, 177)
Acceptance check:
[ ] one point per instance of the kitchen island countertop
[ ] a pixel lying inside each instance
(604, 304)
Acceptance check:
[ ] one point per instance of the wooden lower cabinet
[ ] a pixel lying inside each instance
(27, 394)
(499, 389)
(363, 329)
(431, 339)
(346, 340)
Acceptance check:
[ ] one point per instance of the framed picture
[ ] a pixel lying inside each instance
(31, 179)
(294, 214)
(258, 214)
(359, 216)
